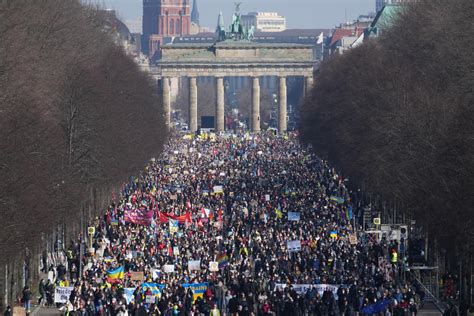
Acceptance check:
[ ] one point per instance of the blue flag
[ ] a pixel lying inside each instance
(377, 307)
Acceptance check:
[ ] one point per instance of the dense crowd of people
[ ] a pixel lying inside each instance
(231, 224)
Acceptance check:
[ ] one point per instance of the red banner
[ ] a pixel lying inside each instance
(140, 217)
(164, 217)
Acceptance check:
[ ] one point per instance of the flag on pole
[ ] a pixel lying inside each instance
(320, 38)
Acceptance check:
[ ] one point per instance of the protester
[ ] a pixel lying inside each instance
(26, 299)
(232, 224)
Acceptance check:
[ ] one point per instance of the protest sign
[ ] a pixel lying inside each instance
(293, 245)
(150, 299)
(218, 189)
(62, 293)
(294, 216)
(176, 251)
(136, 276)
(173, 226)
(194, 265)
(168, 268)
(267, 197)
(214, 266)
(353, 239)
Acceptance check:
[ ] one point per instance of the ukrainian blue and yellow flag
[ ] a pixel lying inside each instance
(198, 289)
(154, 288)
(337, 199)
(116, 274)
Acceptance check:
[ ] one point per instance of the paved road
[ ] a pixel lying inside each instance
(429, 310)
(44, 311)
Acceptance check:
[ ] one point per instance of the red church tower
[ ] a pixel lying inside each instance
(161, 19)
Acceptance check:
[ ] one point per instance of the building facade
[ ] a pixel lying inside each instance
(264, 21)
(379, 4)
(162, 19)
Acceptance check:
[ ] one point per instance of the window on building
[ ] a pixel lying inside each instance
(171, 27)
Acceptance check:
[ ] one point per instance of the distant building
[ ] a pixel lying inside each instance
(342, 39)
(348, 34)
(383, 20)
(379, 4)
(290, 36)
(264, 21)
(135, 26)
(164, 19)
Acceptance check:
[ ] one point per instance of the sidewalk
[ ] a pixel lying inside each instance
(429, 310)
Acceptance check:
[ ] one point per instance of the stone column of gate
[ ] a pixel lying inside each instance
(165, 84)
(308, 85)
(282, 109)
(220, 104)
(255, 118)
(193, 104)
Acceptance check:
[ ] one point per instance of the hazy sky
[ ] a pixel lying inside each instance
(299, 13)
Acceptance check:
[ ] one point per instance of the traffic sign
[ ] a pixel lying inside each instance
(91, 230)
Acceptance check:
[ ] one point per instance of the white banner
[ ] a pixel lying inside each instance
(303, 288)
(62, 293)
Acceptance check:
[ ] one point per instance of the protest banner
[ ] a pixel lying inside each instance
(136, 276)
(301, 289)
(293, 245)
(62, 293)
(198, 289)
(168, 268)
(194, 265)
(139, 217)
(294, 216)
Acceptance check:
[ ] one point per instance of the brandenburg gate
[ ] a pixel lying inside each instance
(234, 57)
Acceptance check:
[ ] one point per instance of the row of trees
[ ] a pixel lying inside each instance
(396, 115)
(76, 114)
